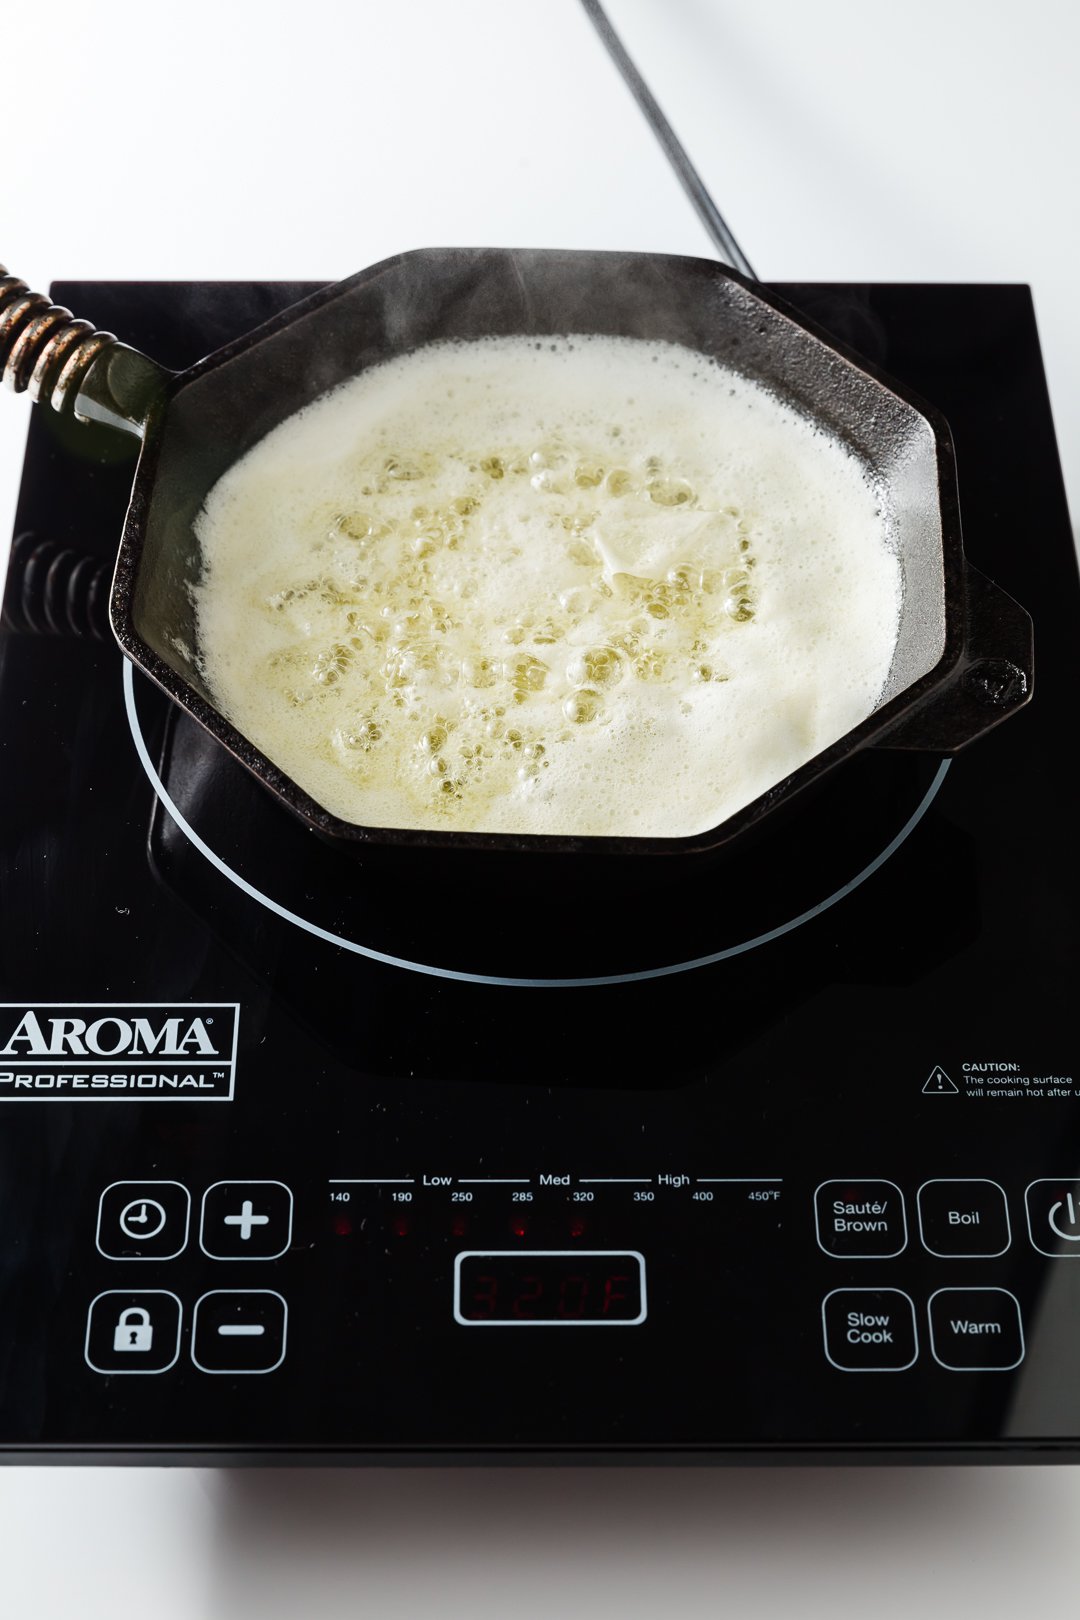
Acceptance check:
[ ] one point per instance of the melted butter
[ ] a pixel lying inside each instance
(592, 586)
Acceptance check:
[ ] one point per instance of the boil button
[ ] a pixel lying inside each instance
(964, 1219)
(869, 1329)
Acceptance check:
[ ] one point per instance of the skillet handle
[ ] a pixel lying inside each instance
(69, 364)
(992, 678)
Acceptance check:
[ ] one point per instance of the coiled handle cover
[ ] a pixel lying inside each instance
(44, 350)
(49, 354)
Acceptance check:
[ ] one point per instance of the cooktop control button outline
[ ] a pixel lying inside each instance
(860, 1220)
(870, 1329)
(143, 1220)
(1053, 1216)
(133, 1331)
(246, 1220)
(976, 1329)
(239, 1331)
(964, 1218)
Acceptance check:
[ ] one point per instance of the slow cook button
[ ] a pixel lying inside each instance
(964, 1219)
(870, 1329)
(976, 1329)
(859, 1220)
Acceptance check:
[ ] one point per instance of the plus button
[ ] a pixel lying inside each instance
(231, 1230)
(247, 1219)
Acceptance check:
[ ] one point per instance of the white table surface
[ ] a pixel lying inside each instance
(845, 140)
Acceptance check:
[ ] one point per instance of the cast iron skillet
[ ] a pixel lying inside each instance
(963, 659)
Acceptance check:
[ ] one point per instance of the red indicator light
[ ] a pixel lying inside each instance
(342, 1226)
(577, 1227)
(518, 1228)
(402, 1226)
(459, 1226)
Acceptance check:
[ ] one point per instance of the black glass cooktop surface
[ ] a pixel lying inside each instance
(305, 1155)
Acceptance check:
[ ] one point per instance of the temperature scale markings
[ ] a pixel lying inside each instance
(523, 1181)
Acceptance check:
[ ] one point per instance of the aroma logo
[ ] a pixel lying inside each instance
(109, 1036)
(104, 1051)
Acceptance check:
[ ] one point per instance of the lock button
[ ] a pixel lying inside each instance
(133, 1332)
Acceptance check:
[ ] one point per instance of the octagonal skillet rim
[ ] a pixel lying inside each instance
(935, 712)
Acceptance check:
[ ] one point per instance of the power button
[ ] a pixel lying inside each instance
(1053, 1217)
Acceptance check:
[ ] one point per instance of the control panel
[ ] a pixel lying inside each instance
(906, 1273)
(376, 1305)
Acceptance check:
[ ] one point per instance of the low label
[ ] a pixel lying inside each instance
(116, 1052)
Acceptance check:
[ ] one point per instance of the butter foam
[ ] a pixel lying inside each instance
(591, 586)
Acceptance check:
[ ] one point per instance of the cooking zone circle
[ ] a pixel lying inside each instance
(266, 881)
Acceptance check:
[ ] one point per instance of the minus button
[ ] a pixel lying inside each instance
(239, 1330)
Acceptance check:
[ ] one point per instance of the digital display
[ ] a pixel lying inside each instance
(549, 1288)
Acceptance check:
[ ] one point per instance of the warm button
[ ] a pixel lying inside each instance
(965, 1219)
(869, 1329)
(976, 1329)
(860, 1219)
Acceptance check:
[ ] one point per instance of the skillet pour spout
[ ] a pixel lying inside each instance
(963, 659)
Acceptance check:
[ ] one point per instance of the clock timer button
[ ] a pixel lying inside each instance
(143, 1220)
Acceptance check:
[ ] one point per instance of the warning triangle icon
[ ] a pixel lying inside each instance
(938, 1083)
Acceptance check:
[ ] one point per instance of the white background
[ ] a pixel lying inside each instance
(934, 140)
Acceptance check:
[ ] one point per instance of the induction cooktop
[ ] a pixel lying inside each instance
(306, 1157)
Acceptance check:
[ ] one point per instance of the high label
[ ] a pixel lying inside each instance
(115, 1052)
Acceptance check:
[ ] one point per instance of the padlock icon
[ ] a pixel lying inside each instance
(134, 1330)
